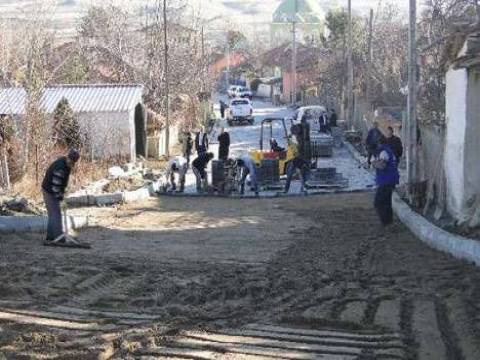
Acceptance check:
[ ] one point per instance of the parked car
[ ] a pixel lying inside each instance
(240, 111)
(311, 114)
(232, 91)
(243, 92)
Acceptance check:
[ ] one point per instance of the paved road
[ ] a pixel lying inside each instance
(244, 138)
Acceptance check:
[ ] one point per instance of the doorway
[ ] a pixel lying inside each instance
(140, 131)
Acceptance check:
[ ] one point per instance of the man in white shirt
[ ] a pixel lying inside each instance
(177, 165)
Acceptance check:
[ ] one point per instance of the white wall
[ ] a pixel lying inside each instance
(264, 90)
(456, 122)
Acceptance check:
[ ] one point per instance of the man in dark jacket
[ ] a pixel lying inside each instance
(53, 187)
(373, 140)
(223, 106)
(303, 155)
(198, 166)
(187, 146)
(395, 144)
(387, 177)
(201, 142)
(224, 145)
(333, 118)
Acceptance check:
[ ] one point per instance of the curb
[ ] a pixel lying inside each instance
(20, 224)
(458, 246)
(143, 193)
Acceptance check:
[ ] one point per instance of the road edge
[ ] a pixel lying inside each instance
(456, 245)
(36, 224)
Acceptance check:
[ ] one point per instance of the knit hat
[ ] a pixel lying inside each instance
(74, 155)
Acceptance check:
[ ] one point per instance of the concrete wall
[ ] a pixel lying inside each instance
(456, 119)
(264, 90)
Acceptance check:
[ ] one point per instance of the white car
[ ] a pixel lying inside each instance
(240, 111)
(243, 92)
(311, 114)
(232, 91)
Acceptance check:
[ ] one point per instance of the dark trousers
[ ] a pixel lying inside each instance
(383, 203)
(55, 226)
(187, 156)
(370, 154)
(294, 165)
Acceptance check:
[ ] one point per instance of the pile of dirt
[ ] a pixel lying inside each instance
(14, 206)
(125, 184)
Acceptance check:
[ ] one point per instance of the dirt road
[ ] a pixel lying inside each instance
(293, 278)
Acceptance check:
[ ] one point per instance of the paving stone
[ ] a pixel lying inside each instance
(426, 332)
(388, 315)
(354, 312)
(459, 319)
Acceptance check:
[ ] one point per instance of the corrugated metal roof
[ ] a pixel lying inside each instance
(82, 98)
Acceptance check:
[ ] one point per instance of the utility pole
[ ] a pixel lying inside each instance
(227, 75)
(294, 55)
(477, 8)
(204, 80)
(167, 89)
(350, 69)
(369, 61)
(412, 98)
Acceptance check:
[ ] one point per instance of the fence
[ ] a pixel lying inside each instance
(157, 145)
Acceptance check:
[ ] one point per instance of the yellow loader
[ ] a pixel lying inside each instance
(274, 152)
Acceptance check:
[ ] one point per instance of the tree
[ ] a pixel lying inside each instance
(66, 128)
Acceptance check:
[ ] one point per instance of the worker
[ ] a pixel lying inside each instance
(198, 166)
(223, 107)
(298, 162)
(177, 165)
(373, 141)
(187, 146)
(324, 123)
(333, 118)
(387, 177)
(248, 167)
(302, 155)
(275, 147)
(224, 144)
(201, 142)
(395, 144)
(54, 185)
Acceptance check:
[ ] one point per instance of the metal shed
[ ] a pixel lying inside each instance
(112, 116)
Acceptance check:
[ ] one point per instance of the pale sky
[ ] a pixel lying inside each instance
(246, 15)
(235, 9)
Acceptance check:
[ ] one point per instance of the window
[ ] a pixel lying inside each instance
(239, 102)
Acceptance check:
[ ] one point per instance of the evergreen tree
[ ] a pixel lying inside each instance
(67, 130)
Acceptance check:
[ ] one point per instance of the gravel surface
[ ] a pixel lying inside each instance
(209, 278)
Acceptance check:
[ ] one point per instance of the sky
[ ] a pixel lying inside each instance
(240, 12)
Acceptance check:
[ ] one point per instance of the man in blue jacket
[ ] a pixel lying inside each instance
(387, 178)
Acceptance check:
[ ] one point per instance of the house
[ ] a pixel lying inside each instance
(111, 116)
(309, 62)
(462, 146)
